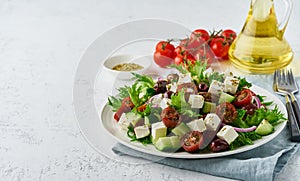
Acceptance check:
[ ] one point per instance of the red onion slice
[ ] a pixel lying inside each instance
(253, 128)
(257, 101)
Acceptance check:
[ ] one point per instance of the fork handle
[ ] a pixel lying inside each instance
(296, 110)
(295, 132)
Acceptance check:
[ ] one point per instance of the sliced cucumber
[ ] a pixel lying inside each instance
(147, 121)
(168, 144)
(224, 97)
(181, 129)
(133, 118)
(175, 142)
(209, 107)
(264, 128)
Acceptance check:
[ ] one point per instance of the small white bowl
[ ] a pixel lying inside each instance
(144, 61)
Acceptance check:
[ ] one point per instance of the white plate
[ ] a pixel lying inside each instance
(113, 129)
(93, 83)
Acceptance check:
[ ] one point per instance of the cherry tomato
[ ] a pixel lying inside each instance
(192, 141)
(142, 107)
(165, 48)
(205, 53)
(229, 35)
(200, 33)
(243, 98)
(219, 46)
(183, 56)
(170, 117)
(119, 113)
(127, 103)
(162, 60)
(126, 106)
(227, 112)
(164, 54)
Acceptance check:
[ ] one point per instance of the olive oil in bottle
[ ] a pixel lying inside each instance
(261, 46)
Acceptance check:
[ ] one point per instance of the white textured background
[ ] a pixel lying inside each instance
(40, 46)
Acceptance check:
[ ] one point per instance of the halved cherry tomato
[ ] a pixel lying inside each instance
(170, 117)
(219, 46)
(126, 106)
(243, 97)
(227, 112)
(192, 141)
(127, 103)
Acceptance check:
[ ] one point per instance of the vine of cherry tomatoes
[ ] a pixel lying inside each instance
(199, 46)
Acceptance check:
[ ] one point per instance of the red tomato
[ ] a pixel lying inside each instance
(127, 103)
(200, 33)
(219, 46)
(192, 141)
(164, 54)
(170, 117)
(243, 98)
(118, 114)
(227, 112)
(183, 56)
(229, 35)
(162, 60)
(192, 44)
(205, 53)
(126, 106)
(165, 48)
(142, 108)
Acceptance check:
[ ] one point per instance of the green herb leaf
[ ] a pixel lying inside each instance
(179, 103)
(114, 103)
(243, 84)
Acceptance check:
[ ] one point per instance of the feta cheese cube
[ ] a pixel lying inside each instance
(231, 84)
(216, 87)
(124, 122)
(165, 102)
(228, 134)
(197, 125)
(212, 121)
(184, 78)
(227, 72)
(156, 100)
(141, 131)
(172, 87)
(196, 101)
(158, 130)
(208, 71)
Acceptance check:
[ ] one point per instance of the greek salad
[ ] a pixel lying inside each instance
(195, 110)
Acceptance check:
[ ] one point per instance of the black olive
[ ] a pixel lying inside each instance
(203, 87)
(219, 145)
(160, 86)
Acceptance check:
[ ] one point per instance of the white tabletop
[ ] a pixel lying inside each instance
(41, 43)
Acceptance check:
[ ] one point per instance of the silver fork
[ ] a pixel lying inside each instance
(284, 84)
